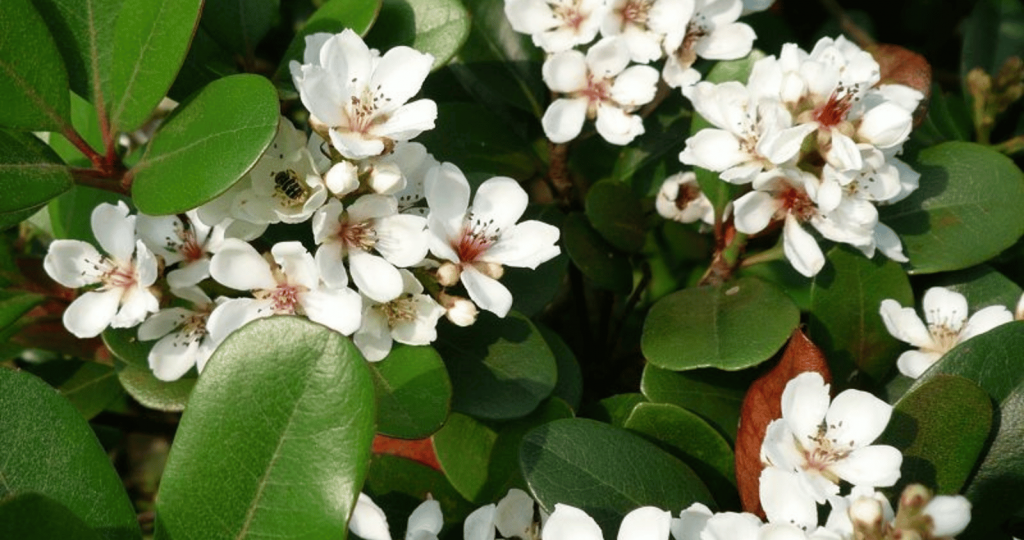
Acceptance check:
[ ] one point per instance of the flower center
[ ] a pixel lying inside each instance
(945, 328)
(635, 12)
(824, 451)
(401, 309)
(835, 109)
(189, 246)
(795, 201)
(570, 14)
(360, 235)
(284, 298)
(477, 237)
(364, 110)
(598, 91)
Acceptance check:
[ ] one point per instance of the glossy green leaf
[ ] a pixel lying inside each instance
(87, 125)
(715, 395)
(399, 485)
(845, 322)
(207, 145)
(468, 137)
(206, 62)
(691, 439)
(33, 80)
(239, 26)
(31, 174)
(616, 214)
(151, 39)
(34, 516)
(604, 471)
(993, 32)
(982, 285)
(332, 17)
(732, 326)
(654, 156)
(947, 120)
(38, 426)
(570, 379)
(413, 392)
(500, 368)
(10, 219)
(941, 428)
(606, 267)
(138, 380)
(436, 27)
(83, 32)
(276, 439)
(965, 211)
(615, 410)
(71, 213)
(14, 305)
(91, 388)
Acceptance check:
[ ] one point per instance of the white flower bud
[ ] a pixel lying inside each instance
(460, 311)
(342, 178)
(386, 178)
(448, 275)
(866, 514)
(949, 514)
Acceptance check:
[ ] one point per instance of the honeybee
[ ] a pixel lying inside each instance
(287, 183)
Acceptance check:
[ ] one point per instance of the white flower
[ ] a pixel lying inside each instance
(186, 243)
(712, 33)
(372, 223)
(123, 299)
(368, 520)
(597, 85)
(291, 285)
(479, 239)
(691, 522)
(512, 517)
(863, 509)
(556, 25)
(643, 24)
(425, 522)
(359, 97)
(950, 515)
(571, 523)
(680, 199)
(184, 340)
(820, 444)
(410, 318)
(948, 326)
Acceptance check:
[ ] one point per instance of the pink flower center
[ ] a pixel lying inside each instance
(835, 109)
(118, 276)
(570, 15)
(359, 235)
(284, 299)
(476, 239)
(364, 111)
(822, 452)
(190, 248)
(635, 12)
(597, 91)
(795, 201)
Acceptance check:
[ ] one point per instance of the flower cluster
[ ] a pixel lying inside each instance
(394, 229)
(600, 84)
(816, 137)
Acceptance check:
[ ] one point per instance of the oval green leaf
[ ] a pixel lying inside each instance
(276, 439)
(993, 32)
(91, 388)
(332, 17)
(845, 323)
(691, 439)
(31, 173)
(138, 380)
(39, 426)
(500, 368)
(239, 26)
(982, 285)
(436, 27)
(151, 39)
(615, 212)
(604, 471)
(71, 213)
(941, 428)
(207, 145)
(413, 392)
(570, 378)
(715, 395)
(731, 326)
(33, 81)
(965, 211)
(35, 516)
(606, 267)
(14, 305)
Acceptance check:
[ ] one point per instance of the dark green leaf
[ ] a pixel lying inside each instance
(206, 62)
(276, 439)
(602, 264)
(14, 305)
(654, 156)
(732, 326)
(941, 428)
(71, 213)
(500, 368)
(993, 33)
(615, 212)
(413, 392)
(138, 380)
(10, 219)
(239, 26)
(150, 42)
(92, 387)
(437, 27)
(845, 321)
(331, 18)
(965, 211)
(991, 359)
(87, 125)
(947, 120)
(604, 471)
(33, 81)
(31, 174)
(33, 516)
(691, 439)
(49, 449)
(207, 145)
(615, 409)
(399, 485)
(982, 285)
(713, 394)
(570, 379)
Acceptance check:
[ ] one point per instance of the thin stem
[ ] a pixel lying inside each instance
(773, 254)
(95, 179)
(847, 25)
(1011, 146)
(74, 138)
(726, 259)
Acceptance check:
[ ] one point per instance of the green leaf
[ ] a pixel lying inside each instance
(982, 285)
(965, 211)
(50, 450)
(35, 516)
(845, 321)
(654, 156)
(31, 174)
(138, 380)
(725, 326)
(71, 213)
(413, 392)
(10, 219)
(151, 39)
(207, 145)
(734, 70)
(331, 18)
(615, 410)
(92, 387)
(480, 459)
(615, 212)
(399, 485)
(691, 439)
(947, 120)
(606, 267)
(239, 26)
(87, 125)
(570, 379)
(941, 428)
(276, 439)
(436, 27)
(993, 32)
(14, 305)
(604, 471)
(500, 368)
(206, 62)
(715, 395)
(33, 81)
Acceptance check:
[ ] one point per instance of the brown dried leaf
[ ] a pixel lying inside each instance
(902, 66)
(419, 450)
(762, 404)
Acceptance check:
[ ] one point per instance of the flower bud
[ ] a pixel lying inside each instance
(866, 514)
(342, 178)
(491, 270)
(460, 311)
(386, 178)
(448, 274)
(949, 515)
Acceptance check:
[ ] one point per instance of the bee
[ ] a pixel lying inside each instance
(287, 183)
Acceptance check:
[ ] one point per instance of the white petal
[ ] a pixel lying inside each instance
(160, 233)
(635, 86)
(875, 466)
(337, 309)
(161, 323)
(726, 42)
(426, 517)
(950, 515)
(889, 243)
(984, 320)
(374, 276)
(713, 149)
(399, 74)
(447, 194)
(608, 57)
(616, 126)
(527, 245)
(342, 178)
(172, 357)
(355, 145)
(904, 324)
(844, 154)
(691, 522)
(332, 268)
(422, 330)
(570, 523)
(913, 363)
(943, 306)
(114, 229)
(368, 520)
(72, 263)
(239, 266)
(296, 263)
(409, 121)
(801, 248)
(563, 119)
(136, 303)
(234, 314)
(886, 125)
(754, 211)
(91, 313)
(486, 292)
(732, 526)
(645, 523)
(514, 514)
(402, 239)
(479, 525)
(499, 202)
(857, 418)
(804, 404)
(189, 274)
(373, 337)
(784, 500)
(565, 72)
(784, 145)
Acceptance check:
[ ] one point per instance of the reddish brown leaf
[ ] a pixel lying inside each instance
(901, 66)
(762, 404)
(419, 450)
